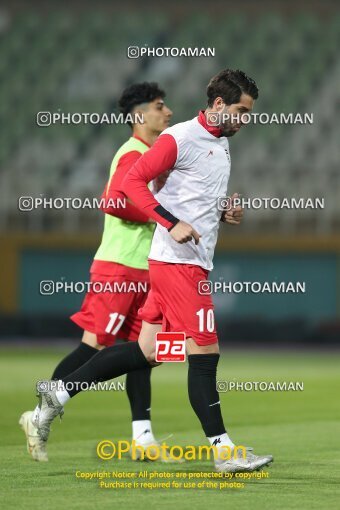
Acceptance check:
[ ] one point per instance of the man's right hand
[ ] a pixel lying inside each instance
(183, 232)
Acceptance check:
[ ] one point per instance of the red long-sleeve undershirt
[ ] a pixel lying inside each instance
(160, 158)
(129, 212)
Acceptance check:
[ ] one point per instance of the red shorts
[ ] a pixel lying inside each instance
(174, 301)
(111, 315)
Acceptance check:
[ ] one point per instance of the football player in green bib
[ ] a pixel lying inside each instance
(119, 272)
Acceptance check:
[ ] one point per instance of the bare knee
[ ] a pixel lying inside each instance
(150, 356)
(194, 348)
(147, 340)
(91, 340)
(155, 363)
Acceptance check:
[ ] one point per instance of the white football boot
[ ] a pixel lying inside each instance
(50, 408)
(239, 463)
(36, 447)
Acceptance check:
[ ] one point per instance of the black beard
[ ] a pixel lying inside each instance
(228, 132)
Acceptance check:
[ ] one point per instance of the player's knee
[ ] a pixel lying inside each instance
(156, 363)
(91, 340)
(150, 355)
(195, 348)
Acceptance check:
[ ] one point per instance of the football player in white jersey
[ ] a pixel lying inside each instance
(186, 209)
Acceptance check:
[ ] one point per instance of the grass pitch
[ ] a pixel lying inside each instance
(301, 430)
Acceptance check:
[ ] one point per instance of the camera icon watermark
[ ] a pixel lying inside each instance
(205, 287)
(225, 204)
(133, 52)
(43, 386)
(221, 386)
(44, 119)
(25, 203)
(46, 287)
(214, 119)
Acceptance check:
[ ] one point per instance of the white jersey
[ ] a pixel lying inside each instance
(199, 177)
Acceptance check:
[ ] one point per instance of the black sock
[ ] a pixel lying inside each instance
(138, 389)
(107, 364)
(74, 360)
(203, 394)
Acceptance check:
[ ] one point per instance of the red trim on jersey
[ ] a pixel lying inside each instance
(129, 212)
(160, 158)
(141, 140)
(213, 130)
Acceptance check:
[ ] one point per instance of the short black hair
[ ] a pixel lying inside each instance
(229, 85)
(137, 94)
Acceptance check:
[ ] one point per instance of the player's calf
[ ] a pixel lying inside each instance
(106, 364)
(205, 401)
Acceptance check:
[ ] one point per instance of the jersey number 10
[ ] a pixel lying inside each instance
(206, 320)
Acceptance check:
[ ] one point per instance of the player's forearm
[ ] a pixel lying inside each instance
(127, 213)
(158, 159)
(140, 194)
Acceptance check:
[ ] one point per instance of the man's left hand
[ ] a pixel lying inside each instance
(235, 214)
